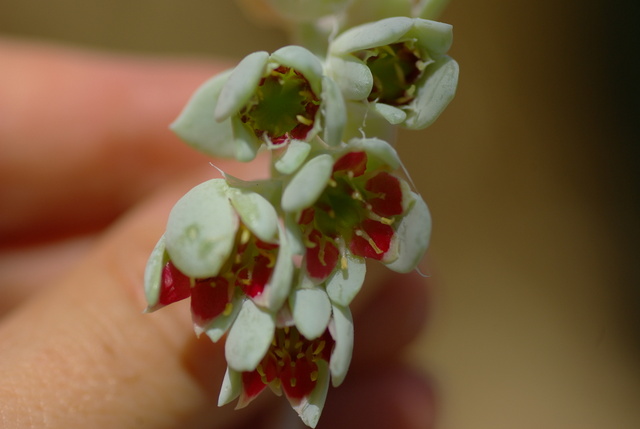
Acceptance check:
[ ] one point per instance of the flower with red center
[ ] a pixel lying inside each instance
(299, 360)
(220, 257)
(353, 205)
(266, 100)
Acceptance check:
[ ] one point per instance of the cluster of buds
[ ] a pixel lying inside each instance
(271, 266)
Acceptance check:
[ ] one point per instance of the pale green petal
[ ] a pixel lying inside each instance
(433, 37)
(201, 230)
(221, 324)
(302, 60)
(343, 285)
(334, 112)
(341, 329)
(311, 311)
(353, 77)
(392, 114)
(196, 125)
(370, 35)
(256, 213)
(244, 140)
(308, 183)
(438, 89)
(412, 237)
(231, 387)
(294, 234)
(380, 154)
(249, 337)
(153, 274)
(241, 85)
(296, 153)
(279, 285)
(309, 409)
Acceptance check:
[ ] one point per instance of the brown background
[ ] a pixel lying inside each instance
(531, 178)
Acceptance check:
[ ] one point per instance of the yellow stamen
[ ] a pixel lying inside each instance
(227, 309)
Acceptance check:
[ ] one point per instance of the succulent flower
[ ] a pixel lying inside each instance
(268, 100)
(398, 65)
(352, 205)
(222, 245)
(298, 362)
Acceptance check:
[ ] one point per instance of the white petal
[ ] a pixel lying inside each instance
(294, 234)
(392, 114)
(231, 387)
(434, 94)
(221, 324)
(343, 285)
(153, 274)
(412, 237)
(279, 285)
(296, 153)
(249, 337)
(309, 409)
(308, 183)
(432, 36)
(370, 35)
(341, 329)
(379, 153)
(302, 60)
(311, 311)
(256, 213)
(353, 77)
(196, 125)
(334, 112)
(245, 142)
(241, 84)
(201, 230)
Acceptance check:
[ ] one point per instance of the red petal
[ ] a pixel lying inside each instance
(296, 378)
(388, 199)
(379, 233)
(253, 280)
(209, 298)
(355, 162)
(252, 384)
(175, 285)
(322, 258)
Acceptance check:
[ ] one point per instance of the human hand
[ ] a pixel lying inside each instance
(88, 174)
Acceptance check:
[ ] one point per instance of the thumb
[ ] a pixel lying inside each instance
(82, 353)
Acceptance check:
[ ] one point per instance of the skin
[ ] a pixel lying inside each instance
(88, 174)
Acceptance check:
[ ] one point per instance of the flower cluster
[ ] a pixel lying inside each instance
(272, 265)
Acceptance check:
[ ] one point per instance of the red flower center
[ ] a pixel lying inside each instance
(292, 360)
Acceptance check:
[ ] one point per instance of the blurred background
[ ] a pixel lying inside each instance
(532, 178)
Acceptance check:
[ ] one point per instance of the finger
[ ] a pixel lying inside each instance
(82, 354)
(391, 318)
(392, 397)
(25, 270)
(84, 135)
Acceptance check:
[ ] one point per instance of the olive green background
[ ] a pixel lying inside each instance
(531, 178)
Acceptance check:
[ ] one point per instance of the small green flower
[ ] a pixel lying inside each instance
(268, 100)
(397, 65)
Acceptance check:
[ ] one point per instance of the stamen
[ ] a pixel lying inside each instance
(320, 347)
(293, 382)
(361, 233)
(314, 375)
(303, 120)
(227, 309)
